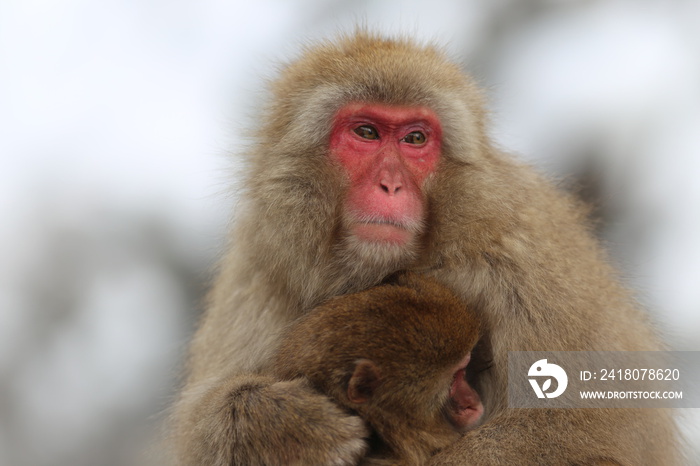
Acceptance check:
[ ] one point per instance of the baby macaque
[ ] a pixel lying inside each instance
(397, 355)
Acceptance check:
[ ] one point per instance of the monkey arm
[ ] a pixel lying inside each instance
(254, 420)
(232, 412)
(558, 294)
(562, 436)
(558, 436)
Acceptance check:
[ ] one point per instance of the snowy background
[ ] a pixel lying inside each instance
(117, 123)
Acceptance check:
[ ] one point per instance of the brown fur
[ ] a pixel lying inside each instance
(412, 333)
(502, 237)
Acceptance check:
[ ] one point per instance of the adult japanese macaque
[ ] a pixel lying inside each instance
(372, 156)
(397, 355)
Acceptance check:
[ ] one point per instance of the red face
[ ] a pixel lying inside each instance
(388, 152)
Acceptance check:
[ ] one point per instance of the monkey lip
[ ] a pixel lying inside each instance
(383, 231)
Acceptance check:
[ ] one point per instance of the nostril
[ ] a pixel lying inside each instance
(390, 188)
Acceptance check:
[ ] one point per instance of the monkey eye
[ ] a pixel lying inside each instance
(415, 137)
(367, 132)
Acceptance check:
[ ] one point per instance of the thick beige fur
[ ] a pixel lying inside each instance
(509, 243)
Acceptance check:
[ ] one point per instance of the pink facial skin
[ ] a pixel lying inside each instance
(466, 408)
(387, 152)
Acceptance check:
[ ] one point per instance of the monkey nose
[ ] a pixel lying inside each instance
(390, 181)
(390, 187)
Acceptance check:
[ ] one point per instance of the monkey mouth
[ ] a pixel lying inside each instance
(392, 223)
(382, 231)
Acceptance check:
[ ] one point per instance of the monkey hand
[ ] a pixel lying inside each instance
(288, 423)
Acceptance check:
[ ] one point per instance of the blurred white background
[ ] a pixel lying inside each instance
(118, 119)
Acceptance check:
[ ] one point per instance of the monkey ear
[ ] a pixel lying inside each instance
(364, 381)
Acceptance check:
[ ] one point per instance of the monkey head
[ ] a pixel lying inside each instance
(359, 139)
(396, 354)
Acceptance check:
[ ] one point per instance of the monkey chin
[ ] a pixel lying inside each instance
(368, 259)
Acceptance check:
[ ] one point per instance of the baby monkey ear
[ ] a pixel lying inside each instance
(364, 381)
